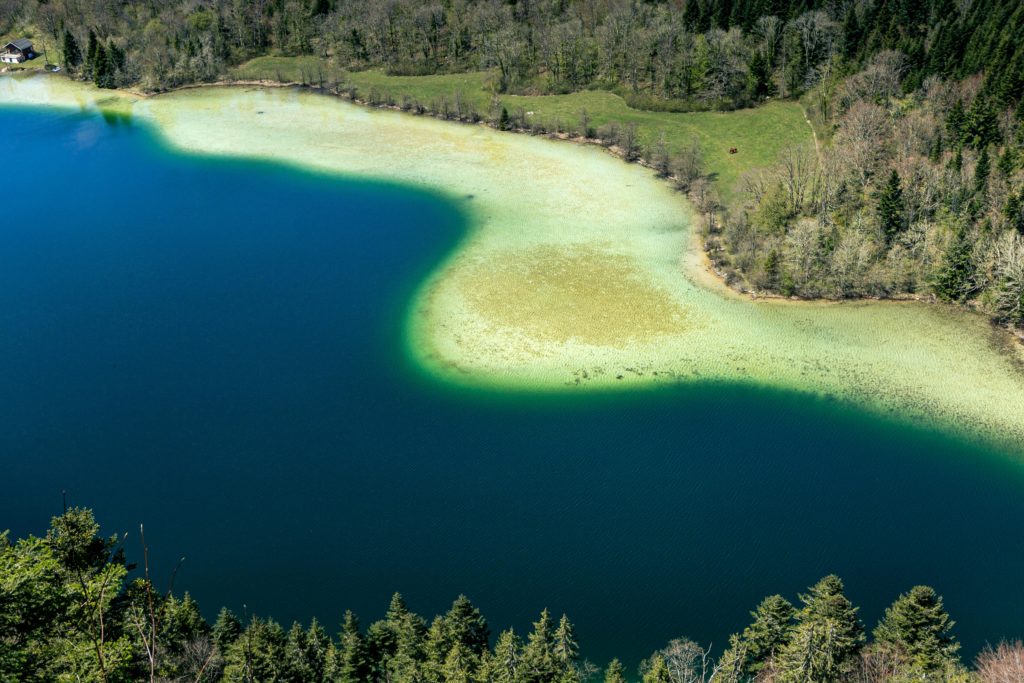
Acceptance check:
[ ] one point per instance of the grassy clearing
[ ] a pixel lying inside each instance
(759, 134)
(41, 43)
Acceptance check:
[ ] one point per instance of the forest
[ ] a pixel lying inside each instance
(914, 187)
(74, 608)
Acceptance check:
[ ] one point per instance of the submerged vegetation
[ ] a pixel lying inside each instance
(914, 190)
(74, 608)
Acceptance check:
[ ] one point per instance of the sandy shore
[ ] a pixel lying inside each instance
(580, 271)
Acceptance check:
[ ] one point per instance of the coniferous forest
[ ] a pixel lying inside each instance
(913, 187)
(74, 607)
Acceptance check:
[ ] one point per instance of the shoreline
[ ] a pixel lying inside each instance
(578, 272)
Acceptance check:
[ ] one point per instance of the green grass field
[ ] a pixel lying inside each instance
(759, 134)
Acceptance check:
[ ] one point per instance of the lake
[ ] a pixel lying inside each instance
(215, 348)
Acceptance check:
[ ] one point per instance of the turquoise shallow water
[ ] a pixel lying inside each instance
(214, 348)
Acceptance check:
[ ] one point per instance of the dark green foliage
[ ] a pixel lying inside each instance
(759, 644)
(539, 663)
(103, 69)
(826, 639)
(955, 281)
(69, 48)
(658, 672)
(504, 122)
(891, 210)
(918, 626)
(226, 629)
(348, 662)
(47, 636)
(981, 127)
(981, 171)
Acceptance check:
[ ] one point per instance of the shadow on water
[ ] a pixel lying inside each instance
(214, 347)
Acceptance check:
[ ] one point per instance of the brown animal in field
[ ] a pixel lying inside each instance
(733, 150)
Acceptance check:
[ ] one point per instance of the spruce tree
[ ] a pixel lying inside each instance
(504, 123)
(658, 672)
(918, 626)
(827, 637)
(567, 650)
(615, 673)
(506, 662)
(539, 664)
(226, 629)
(458, 665)
(72, 55)
(92, 45)
(349, 663)
(753, 650)
(891, 210)
(466, 625)
(981, 172)
(956, 276)
(956, 122)
(852, 33)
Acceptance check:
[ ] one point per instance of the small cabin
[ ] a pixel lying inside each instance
(17, 51)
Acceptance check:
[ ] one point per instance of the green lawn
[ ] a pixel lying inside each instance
(759, 134)
(40, 42)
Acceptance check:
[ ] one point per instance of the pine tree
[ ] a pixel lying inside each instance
(72, 55)
(891, 210)
(436, 647)
(826, 639)
(539, 664)
(918, 626)
(615, 673)
(91, 47)
(504, 122)
(658, 672)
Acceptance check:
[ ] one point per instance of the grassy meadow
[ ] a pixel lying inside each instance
(759, 134)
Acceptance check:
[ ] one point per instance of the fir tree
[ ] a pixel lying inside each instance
(956, 121)
(981, 172)
(615, 673)
(226, 629)
(1014, 211)
(466, 625)
(981, 128)
(891, 210)
(826, 639)
(72, 55)
(567, 650)
(658, 672)
(759, 644)
(349, 663)
(852, 33)
(458, 665)
(505, 664)
(539, 664)
(956, 276)
(91, 47)
(504, 123)
(918, 626)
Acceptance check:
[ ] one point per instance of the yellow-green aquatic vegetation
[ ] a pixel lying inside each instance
(578, 269)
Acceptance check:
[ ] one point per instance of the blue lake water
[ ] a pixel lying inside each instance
(215, 348)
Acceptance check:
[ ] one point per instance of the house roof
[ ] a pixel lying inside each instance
(20, 44)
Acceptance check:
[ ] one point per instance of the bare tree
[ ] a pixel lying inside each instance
(1002, 664)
